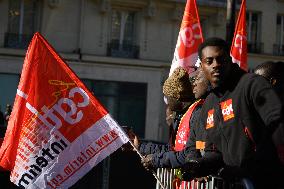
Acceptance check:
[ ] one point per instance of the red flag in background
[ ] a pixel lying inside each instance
(190, 37)
(57, 131)
(239, 44)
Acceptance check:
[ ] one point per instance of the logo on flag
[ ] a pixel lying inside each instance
(190, 37)
(239, 44)
(57, 131)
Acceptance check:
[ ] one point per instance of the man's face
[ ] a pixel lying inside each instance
(200, 85)
(215, 65)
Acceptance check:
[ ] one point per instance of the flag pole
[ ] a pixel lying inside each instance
(153, 172)
(230, 20)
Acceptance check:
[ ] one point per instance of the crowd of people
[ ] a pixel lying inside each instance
(224, 121)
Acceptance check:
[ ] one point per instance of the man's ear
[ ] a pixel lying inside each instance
(273, 81)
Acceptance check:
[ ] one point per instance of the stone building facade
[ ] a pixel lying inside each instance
(122, 49)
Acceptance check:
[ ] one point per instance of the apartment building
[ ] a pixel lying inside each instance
(122, 49)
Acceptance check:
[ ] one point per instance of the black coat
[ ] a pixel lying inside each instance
(240, 118)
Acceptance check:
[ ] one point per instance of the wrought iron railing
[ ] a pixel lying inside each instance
(225, 1)
(217, 2)
(278, 50)
(18, 41)
(124, 50)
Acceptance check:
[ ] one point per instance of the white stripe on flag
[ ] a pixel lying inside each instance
(22, 94)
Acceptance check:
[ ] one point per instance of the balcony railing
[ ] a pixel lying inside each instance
(216, 3)
(124, 50)
(223, 1)
(18, 41)
(278, 50)
(255, 48)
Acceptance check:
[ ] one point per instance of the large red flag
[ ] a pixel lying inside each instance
(57, 130)
(190, 37)
(239, 44)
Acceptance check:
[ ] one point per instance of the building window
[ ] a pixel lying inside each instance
(122, 36)
(278, 48)
(125, 101)
(22, 23)
(8, 87)
(253, 32)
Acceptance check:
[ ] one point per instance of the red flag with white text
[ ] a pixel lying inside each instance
(239, 43)
(190, 37)
(58, 131)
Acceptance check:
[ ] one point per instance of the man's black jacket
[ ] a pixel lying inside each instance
(239, 118)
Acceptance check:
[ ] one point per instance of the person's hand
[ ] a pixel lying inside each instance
(136, 142)
(147, 162)
(133, 137)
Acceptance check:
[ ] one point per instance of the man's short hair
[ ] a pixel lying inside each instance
(214, 41)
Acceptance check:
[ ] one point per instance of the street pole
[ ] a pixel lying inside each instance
(230, 20)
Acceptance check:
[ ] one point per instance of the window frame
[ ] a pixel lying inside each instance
(19, 29)
(120, 46)
(254, 46)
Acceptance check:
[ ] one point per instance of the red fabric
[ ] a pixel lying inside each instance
(190, 37)
(190, 18)
(239, 43)
(45, 80)
(1, 141)
(184, 127)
